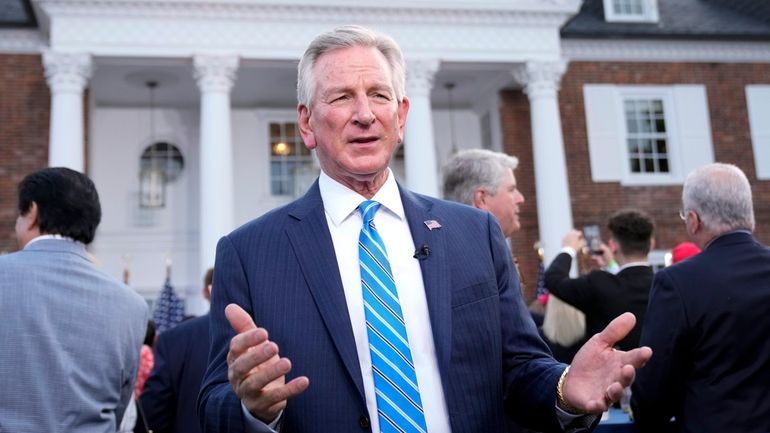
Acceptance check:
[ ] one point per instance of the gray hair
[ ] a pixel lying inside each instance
(721, 196)
(470, 169)
(348, 37)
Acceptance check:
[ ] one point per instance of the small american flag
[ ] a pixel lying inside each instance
(542, 292)
(169, 311)
(432, 224)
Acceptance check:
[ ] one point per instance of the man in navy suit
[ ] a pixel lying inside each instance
(170, 396)
(708, 319)
(476, 354)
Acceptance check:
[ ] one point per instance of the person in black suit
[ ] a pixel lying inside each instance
(604, 295)
(708, 320)
(169, 400)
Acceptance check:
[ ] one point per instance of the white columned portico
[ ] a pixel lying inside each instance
(420, 148)
(215, 76)
(554, 211)
(67, 75)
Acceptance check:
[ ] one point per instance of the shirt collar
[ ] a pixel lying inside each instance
(628, 265)
(708, 244)
(340, 202)
(42, 237)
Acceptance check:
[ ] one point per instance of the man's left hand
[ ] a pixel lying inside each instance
(599, 373)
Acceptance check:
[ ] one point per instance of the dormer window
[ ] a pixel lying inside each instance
(631, 11)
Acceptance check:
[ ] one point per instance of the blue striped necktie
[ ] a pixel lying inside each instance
(399, 407)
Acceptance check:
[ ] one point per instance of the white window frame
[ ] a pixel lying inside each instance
(659, 259)
(758, 106)
(688, 130)
(649, 12)
(266, 117)
(674, 175)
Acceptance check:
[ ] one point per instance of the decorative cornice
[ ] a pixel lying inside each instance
(215, 73)
(452, 30)
(22, 41)
(419, 76)
(423, 12)
(67, 72)
(540, 78)
(629, 50)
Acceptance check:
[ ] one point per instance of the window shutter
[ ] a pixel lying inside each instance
(758, 104)
(693, 129)
(605, 132)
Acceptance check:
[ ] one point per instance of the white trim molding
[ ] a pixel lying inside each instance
(631, 50)
(493, 31)
(21, 41)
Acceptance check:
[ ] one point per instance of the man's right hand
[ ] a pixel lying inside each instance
(255, 371)
(575, 240)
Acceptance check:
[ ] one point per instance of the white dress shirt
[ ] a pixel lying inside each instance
(344, 220)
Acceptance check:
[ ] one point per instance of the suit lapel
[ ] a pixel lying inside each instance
(435, 272)
(312, 244)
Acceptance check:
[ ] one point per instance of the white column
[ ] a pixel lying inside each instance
(554, 211)
(215, 76)
(67, 75)
(420, 149)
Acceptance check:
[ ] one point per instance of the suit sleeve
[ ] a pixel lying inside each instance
(577, 292)
(132, 355)
(659, 385)
(218, 407)
(159, 398)
(530, 374)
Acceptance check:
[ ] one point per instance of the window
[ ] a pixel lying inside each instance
(658, 259)
(290, 161)
(160, 163)
(646, 135)
(638, 11)
(758, 104)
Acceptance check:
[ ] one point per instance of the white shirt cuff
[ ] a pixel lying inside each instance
(573, 423)
(253, 425)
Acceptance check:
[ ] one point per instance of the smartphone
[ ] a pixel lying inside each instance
(593, 238)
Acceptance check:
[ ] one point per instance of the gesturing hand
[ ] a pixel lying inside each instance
(255, 371)
(599, 373)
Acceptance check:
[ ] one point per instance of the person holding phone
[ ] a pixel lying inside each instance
(601, 294)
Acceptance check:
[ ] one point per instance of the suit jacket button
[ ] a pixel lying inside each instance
(363, 422)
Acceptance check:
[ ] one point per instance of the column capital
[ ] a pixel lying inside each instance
(419, 76)
(540, 78)
(215, 73)
(67, 72)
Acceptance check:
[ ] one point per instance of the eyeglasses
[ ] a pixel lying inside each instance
(683, 214)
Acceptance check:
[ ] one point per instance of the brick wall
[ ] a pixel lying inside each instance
(24, 119)
(594, 202)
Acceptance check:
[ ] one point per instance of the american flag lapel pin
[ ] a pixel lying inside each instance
(432, 224)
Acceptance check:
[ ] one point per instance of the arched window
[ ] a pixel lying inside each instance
(160, 163)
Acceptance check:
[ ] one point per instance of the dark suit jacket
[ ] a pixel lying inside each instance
(282, 269)
(708, 325)
(603, 296)
(170, 394)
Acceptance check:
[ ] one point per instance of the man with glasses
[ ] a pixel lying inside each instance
(708, 319)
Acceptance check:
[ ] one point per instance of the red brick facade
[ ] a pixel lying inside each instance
(24, 125)
(24, 120)
(594, 202)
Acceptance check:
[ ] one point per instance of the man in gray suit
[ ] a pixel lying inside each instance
(71, 333)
